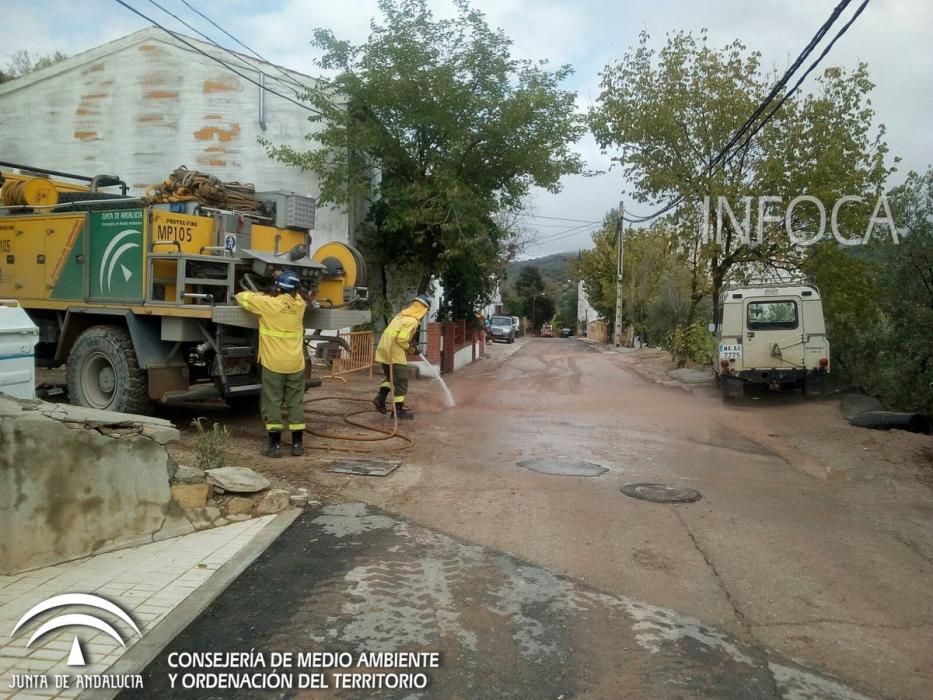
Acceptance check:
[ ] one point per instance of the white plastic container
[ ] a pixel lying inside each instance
(18, 338)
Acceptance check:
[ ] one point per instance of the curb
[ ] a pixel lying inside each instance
(146, 649)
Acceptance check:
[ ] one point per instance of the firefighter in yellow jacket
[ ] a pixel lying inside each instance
(282, 357)
(392, 351)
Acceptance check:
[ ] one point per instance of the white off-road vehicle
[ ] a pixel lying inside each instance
(770, 334)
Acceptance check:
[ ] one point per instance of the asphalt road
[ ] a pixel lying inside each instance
(804, 571)
(354, 579)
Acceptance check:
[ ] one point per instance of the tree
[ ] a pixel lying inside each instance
(670, 112)
(22, 63)
(538, 305)
(567, 306)
(596, 268)
(657, 278)
(457, 129)
(878, 303)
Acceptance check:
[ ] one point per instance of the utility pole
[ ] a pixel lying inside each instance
(617, 333)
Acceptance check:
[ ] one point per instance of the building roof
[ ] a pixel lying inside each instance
(154, 34)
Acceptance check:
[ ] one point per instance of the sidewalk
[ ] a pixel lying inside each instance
(149, 582)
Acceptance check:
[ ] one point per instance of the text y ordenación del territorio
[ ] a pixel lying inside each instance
(303, 670)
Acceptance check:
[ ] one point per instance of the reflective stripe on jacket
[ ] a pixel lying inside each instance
(396, 338)
(281, 329)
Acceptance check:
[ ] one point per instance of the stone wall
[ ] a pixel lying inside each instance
(75, 481)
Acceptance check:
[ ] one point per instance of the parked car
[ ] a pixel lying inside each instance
(502, 328)
(547, 331)
(565, 332)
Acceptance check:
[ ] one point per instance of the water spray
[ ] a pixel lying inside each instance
(448, 397)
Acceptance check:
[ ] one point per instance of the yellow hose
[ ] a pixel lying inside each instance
(34, 192)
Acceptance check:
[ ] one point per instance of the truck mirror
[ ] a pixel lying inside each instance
(712, 328)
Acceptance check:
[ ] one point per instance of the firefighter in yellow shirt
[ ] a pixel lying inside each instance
(282, 357)
(392, 352)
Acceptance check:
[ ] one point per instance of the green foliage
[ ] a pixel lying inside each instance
(210, 446)
(21, 63)
(878, 303)
(457, 129)
(670, 111)
(514, 305)
(537, 304)
(657, 289)
(596, 268)
(567, 306)
(691, 343)
(554, 268)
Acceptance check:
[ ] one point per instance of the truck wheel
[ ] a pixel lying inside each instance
(243, 404)
(103, 372)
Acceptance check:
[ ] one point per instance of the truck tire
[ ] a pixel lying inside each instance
(103, 372)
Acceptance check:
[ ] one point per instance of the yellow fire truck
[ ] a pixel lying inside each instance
(136, 298)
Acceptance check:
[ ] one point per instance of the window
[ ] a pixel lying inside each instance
(772, 315)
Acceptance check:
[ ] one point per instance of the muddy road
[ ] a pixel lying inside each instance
(812, 541)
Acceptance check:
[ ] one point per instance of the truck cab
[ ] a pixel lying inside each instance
(772, 335)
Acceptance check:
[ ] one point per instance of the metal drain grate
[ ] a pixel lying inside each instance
(661, 493)
(560, 467)
(364, 467)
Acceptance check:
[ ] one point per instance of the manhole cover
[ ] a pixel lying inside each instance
(364, 467)
(561, 467)
(661, 493)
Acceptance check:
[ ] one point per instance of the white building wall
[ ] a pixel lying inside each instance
(464, 356)
(585, 312)
(141, 106)
(492, 308)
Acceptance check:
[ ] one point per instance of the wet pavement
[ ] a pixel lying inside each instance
(811, 541)
(352, 578)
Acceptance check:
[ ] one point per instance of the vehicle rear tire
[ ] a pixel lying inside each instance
(813, 388)
(731, 389)
(103, 372)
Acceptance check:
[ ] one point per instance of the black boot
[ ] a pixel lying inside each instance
(298, 448)
(274, 448)
(380, 401)
(403, 413)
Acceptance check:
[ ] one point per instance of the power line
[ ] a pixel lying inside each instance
(558, 218)
(237, 56)
(560, 234)
(809, 70)
(255, 53)
(788, 74)
(179, 37)
(569, 234)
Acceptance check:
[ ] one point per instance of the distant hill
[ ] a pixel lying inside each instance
(554, 268)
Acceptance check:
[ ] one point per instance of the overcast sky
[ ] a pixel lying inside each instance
(892, 36)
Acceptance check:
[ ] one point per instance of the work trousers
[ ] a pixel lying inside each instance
(398, 382)
(278, 388)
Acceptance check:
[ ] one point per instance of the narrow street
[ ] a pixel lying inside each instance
(802, 572)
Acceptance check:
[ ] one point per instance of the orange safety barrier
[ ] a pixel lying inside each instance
(362, 349)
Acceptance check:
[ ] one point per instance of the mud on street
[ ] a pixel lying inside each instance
(811, 544)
